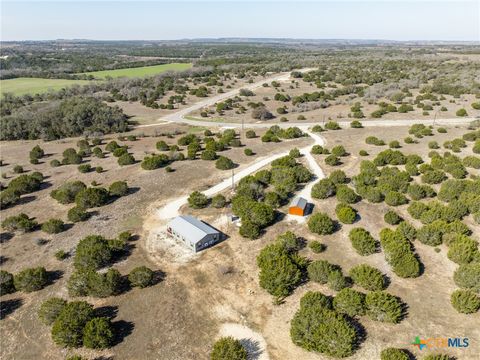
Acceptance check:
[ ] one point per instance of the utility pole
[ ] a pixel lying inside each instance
(233, 180)
(435, 118)
(243, 128)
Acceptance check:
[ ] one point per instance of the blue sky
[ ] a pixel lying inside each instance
(156, 20)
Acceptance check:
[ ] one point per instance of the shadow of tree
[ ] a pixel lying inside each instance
(7, 307)
(53, 276)
(253, 348)
(5, 237)
(106, 311)
(122, 329)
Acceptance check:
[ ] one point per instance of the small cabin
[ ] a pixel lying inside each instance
(298, 206)
(196, 234)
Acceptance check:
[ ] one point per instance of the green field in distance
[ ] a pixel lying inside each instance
(139, 71)
(22, 86)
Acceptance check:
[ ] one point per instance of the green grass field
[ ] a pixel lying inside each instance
(22, 86)
(140, 71)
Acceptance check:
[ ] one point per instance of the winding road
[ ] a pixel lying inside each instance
(172, 208)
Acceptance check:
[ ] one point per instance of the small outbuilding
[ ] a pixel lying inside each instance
(298, 206)
(196, 234)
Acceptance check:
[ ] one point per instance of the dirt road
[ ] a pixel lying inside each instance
(172, 208)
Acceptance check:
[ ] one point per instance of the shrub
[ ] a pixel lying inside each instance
(362, 241)
(77, 214)
(322, 330)
(162, 146)
(18, 169)
(332, 160)
(468, 276)
(339, 150)
(70, 157)
(372, 140)
(98, 333)
(248, 152)
(88, 282)
(317, 299)
(433, 177)
(154, 162)
(51, 309)
(20, 222)
(53, 226)
(197, 200)
(336, 280)
(92, 252)
(332, 125)
(227, 348)
(280, 269)
(92, 197)
(316, 246)
(61, 255)
(273, 199)
(219, 201)
(461, 112)
(141, 276)
(67, 329)
(323, 189)
(430, 234)
(407, 231)
(36, 153)
(118, 188)
(465, 301)
(224, 163)
(392, 218)
(8, 198)
(394, 354)
(319, 150)
(338, 177)
(395, 198)
(118, 152)
(321, 224)
(345, 213)
(319, 271)
(382, 306)
(295, 153)
(418, 192)
(98, 152)
(346, 194)
(363, 153)
(6, 283)
(250, 134)
(84, 168)
(25, 184)
(355, 124)
(249, 230)
(368, 277)
(32, 279)
(350, 302)
(208, 155)
(66, 193)
(463, 250)
(126, 159)
(399, 254)
(261, 113)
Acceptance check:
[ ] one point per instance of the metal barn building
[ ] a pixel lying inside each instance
(196, 234)
(298, 206)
